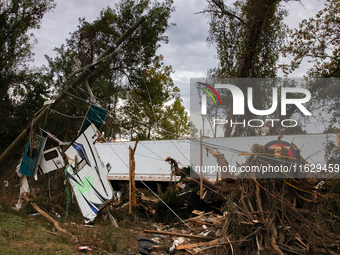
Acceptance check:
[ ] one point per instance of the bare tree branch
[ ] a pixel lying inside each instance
(224, 11)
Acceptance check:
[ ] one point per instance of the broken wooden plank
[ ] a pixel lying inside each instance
(200, 251)
(178, 234)
(148, 208)
(149, 199)
(197, 212)
(194, 245)
(112, 219)
(198, 217)
(200, 222)
(55, 223)
(49, 232)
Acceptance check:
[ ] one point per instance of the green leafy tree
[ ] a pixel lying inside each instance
(193, 130)
(22, 89)
(153, 109)
(135, 84)
(247, 35)
(175, 121)
(317, 41)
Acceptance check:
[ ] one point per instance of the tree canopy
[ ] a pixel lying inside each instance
(135, 86)
(317, 40)
(248, 37)
(22, 89)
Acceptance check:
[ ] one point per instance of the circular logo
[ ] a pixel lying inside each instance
(275, 145)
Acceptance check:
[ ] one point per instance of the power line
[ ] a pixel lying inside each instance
(207, 144)
(165, 204)
(68, 116)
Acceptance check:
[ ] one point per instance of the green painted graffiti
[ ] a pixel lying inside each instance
(86, 186)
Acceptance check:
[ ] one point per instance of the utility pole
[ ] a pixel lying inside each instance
(83, 76)
(201, 163)
(132, 181)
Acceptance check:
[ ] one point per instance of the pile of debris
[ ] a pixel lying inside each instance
(259, 216)
(202, 231)
(247, 215)
(255, 220)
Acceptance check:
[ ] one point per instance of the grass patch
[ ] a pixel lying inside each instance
(28, 235)
(24, 235)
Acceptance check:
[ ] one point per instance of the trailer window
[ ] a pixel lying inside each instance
(51, 155)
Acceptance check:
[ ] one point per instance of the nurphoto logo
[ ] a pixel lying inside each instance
(238, 104)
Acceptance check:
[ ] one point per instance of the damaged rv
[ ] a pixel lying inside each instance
(87, 174)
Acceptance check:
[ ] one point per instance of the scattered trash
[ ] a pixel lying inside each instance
(248, 215)
(18, 222)
(176, 243)
(157, 235)
(34, 214)
(84, 248)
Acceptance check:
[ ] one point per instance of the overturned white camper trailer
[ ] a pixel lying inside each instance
(87, 174)
(37, 159)
(150, 156)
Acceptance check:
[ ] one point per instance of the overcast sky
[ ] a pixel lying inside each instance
(187, 51)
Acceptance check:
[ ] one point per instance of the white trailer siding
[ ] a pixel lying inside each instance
(150, 155)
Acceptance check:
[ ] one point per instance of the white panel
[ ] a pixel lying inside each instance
(51, 164)
(90, 183)
(150, 155)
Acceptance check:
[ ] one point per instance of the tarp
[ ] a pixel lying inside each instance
(95, 115)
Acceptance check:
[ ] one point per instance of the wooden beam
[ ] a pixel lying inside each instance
(149, 199)
(130, 180)
(93, 99)
(55, 223)
(96, 62)
(201, 164)
(178, 234)
(133, 179)
(194, 245)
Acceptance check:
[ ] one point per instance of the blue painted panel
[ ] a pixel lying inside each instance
(95, 115)
(29, 162)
